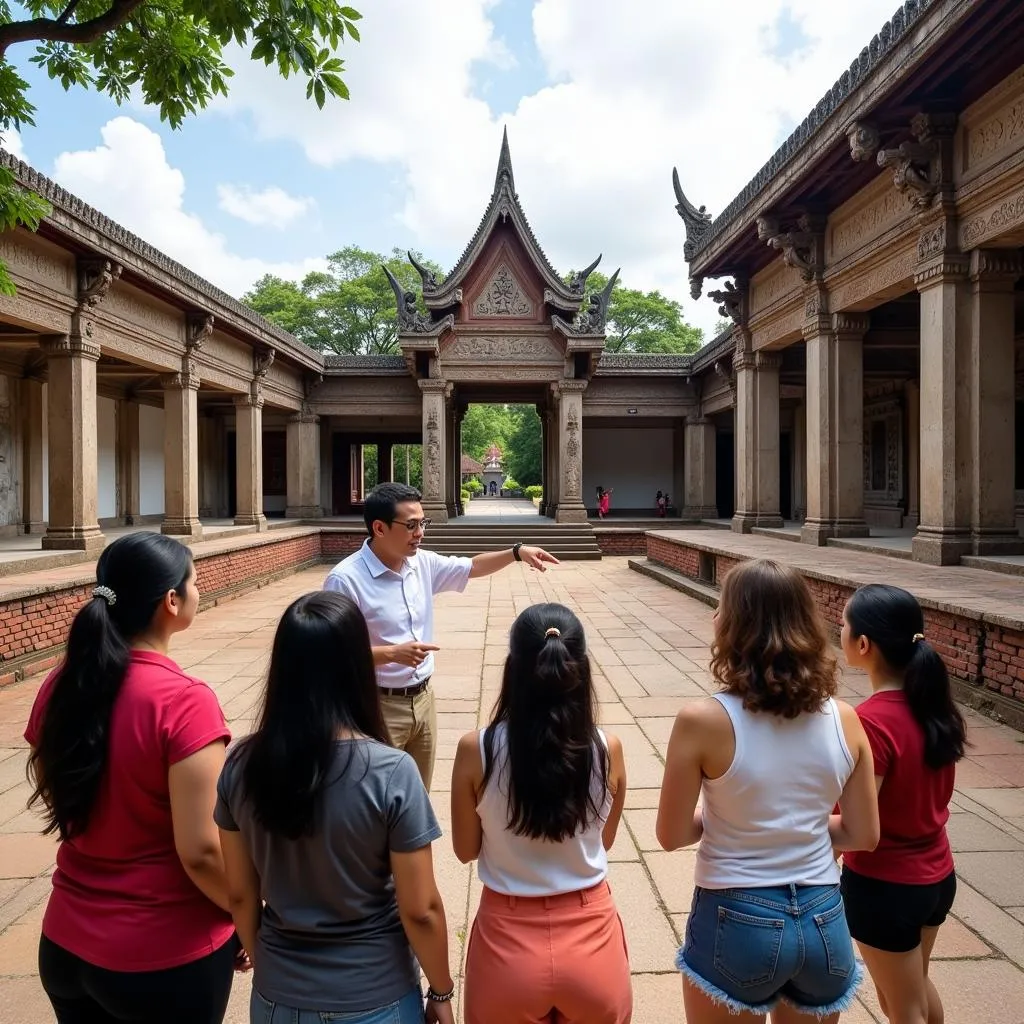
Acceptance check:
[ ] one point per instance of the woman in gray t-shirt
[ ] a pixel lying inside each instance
(326, 832)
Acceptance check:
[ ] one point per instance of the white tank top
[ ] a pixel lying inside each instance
(522, 866)
(766, 818)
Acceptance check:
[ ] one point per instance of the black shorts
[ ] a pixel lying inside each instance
(890, 915)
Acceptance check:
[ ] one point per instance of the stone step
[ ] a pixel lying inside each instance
(677, 581)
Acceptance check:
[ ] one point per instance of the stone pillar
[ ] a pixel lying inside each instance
(944, 532)
(799, 463)
(993, 402)
(435, 465)
(71, 416)
(545, 447)
(302, 464)
(181, 455)
(128, 464)
(757, 441)
(912, 395)
(453, 476)
(699, 499)
(460, 415)
(835, 428)
(570, 445)
(32, 456)
(249, 461)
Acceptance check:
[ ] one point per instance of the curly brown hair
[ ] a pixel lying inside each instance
(771, 645)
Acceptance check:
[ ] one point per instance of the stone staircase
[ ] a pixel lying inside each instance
(574, 542)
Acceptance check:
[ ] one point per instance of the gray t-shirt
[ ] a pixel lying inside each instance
(330, 937)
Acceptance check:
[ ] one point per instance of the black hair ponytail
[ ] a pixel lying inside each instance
(893, 621)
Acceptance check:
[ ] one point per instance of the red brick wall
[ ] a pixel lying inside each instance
(984, 657)
(338, 545)
(221, 574)
(621, 542)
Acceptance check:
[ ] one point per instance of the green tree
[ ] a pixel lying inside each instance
(169, 50)
(644, 321)
(349, 308)
(524, 459)
(484, 425)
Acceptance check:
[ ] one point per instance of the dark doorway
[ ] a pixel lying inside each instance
(785, 477)
(725, 474)
(232, 464)
(341, 474)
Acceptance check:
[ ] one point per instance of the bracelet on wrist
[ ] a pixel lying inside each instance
(440, 997)
(515, 551)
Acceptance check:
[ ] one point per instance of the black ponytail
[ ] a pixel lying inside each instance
(893, 621)
(547, 704)
(66, 766)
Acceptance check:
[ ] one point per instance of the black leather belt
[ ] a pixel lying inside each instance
(406, 691)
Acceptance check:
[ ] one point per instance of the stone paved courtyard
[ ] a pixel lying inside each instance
(649, 646)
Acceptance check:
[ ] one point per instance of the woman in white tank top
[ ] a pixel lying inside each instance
(536, 801)
(772, 754)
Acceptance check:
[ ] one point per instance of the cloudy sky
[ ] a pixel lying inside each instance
(601, 100)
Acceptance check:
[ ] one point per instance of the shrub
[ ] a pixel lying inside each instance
(465, 495)
(510, 485)
(534, 491)
(473, 485)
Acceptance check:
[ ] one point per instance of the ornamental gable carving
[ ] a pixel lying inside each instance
(503, 296)
(879, 208)
(514, 349)
(995, 126)
(771, 284)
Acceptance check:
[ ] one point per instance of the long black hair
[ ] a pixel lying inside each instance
(321, 680)
(893, 621)
(68, 761)
(547, 705)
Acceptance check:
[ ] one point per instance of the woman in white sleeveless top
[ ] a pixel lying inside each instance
(772, 754)
(536, 800)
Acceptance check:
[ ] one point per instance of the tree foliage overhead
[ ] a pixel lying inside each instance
(350, 308)
(644, 321)
(515, 429)
(170, 51)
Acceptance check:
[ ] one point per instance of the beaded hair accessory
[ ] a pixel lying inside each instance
(552, 631)
(918, 637)
(107, 594)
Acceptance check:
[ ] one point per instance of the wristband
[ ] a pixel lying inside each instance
(438, 997)
(515, 551)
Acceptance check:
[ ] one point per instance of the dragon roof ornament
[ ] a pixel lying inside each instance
(696, 221)
(863, 64)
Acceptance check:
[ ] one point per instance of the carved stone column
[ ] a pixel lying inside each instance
(544, 459)
(460, 415)
(699, 490)
(249, 460)
(181, 455)
(128, 462)
(453, 476)
(434, 462)
(71, 416)
(302, 465)
(757, 441)
(993, 274)
(944, 532)
(33, 455)
(835, 428)
(912, 393)
(570, 444)
(799, 462)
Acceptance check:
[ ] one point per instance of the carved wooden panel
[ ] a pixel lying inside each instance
(1000, 218)
(872, 282)
(32, 260)
(876, 209)
(511, 348)
(993, 127)
(771, 284)
(503, 296)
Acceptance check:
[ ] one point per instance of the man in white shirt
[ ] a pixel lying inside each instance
(393, 582)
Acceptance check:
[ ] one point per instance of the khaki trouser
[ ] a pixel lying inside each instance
(412, 725)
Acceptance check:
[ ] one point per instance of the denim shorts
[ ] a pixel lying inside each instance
(407, 1010)
(749, 949)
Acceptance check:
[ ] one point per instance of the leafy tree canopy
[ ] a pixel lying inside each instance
(350, 308)
(515, 429)
(644, 321)
(169, 50)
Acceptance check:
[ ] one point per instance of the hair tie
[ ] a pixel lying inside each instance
(552, 631)
(918, 637)
(107, 594)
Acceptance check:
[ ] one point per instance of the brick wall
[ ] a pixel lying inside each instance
(985, 661)
(335, 546)
(621, 542)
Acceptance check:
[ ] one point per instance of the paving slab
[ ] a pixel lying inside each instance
(651, 657)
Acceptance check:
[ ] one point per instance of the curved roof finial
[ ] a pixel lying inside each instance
(696, 221)
(504, 165)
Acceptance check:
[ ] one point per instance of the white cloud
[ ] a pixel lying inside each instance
(270, 207)
(636, 90)
(129, 179)
(11, 141)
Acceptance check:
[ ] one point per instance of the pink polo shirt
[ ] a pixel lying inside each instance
(121, 899)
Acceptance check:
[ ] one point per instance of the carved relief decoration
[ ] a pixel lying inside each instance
(96, 275)
(1002, 131)
(797, 246)
(503, 297)
(777, 281)
(876, 282)
(867, 223)
(992, 222)
(932, 241)
(864, 141)
(432, 457)
(915, 164)
(730, 299)
(572, 455)
(511, 348)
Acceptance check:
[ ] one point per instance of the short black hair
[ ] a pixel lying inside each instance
(383, 501)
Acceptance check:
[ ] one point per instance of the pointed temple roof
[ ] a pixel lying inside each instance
(504, 206)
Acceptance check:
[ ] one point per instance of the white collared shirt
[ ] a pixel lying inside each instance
(399, 606)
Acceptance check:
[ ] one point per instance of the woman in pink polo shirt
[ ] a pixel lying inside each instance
(126, 751)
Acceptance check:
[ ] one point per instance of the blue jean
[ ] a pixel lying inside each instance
(750, 949)
(407, 1010)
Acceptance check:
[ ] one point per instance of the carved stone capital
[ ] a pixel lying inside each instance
(742, 360)
(932, 241)
(250, 400)
(817, 325)
(996, 266)
(70, 346)
(304, 415)
(948, 267)
(850, 325)
(767, 362)
(566, 387)
(432, 385)
(815, 303)
(864, 141)
(180, 381)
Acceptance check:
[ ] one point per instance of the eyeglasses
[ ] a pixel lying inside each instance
(412, 525)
